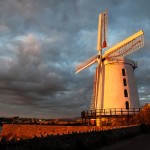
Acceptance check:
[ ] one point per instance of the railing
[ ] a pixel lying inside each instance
(109, 112)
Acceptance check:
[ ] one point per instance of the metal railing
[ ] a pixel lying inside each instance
(109, 112)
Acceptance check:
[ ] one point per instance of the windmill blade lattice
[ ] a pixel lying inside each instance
(86, 63)
(125, 47)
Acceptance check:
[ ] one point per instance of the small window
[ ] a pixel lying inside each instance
(127, 104)
(125, 93)
(124, 82)
(123, 72)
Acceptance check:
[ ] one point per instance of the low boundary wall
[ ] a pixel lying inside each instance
(67, 137)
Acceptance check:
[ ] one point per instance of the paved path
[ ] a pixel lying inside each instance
(140, 142)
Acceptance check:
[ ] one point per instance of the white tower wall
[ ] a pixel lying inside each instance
(116, 82)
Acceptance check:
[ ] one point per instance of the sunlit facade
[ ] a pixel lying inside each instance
(120, 90)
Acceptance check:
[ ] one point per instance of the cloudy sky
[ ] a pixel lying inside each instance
(41, 42)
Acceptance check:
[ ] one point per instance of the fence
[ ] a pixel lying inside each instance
(108, 114)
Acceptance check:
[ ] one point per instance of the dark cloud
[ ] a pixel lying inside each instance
(41, 42)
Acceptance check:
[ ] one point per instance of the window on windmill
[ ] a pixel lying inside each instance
(124, 82)
(123, 72)
(127, 104)
(125, 93)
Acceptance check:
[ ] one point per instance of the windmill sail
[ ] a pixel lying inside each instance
(102, 30)
(86, 63)
(125, 47)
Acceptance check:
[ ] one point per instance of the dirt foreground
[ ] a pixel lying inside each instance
(140, 142)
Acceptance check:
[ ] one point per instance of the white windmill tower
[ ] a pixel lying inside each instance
(114, 82)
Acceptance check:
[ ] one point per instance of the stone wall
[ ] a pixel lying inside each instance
(66, 137)
(17, 132)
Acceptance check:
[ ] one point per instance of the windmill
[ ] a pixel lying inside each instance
(114, 83)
